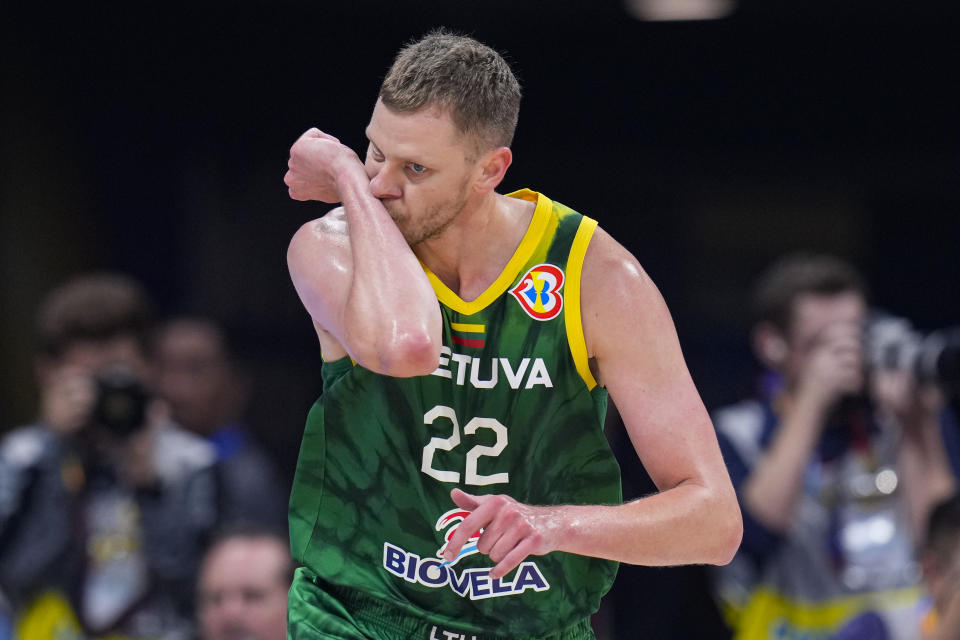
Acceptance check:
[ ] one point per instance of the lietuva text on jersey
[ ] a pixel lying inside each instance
(527, 374)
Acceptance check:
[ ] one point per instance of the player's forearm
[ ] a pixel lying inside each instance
(689, 524)
(391, 317)
(772, 490)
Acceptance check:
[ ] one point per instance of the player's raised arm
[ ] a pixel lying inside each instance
(353, 270)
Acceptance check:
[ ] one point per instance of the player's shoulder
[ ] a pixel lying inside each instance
(609, 266)
(618, 298)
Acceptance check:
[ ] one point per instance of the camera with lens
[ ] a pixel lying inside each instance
(121, 403)
(893, 344)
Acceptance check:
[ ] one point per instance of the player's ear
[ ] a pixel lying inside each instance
(770, 345)
(493, 166)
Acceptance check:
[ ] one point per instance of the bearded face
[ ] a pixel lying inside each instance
(430, 219)
(420, 167)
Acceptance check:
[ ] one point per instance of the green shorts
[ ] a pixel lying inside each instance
(318, 610)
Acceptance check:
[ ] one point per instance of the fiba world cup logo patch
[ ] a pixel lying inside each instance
(539, 292)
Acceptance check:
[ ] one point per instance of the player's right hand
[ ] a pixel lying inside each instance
(316, 159)
(68, 398)
(511, 530)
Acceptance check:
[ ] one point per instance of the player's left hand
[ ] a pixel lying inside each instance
(511, 530)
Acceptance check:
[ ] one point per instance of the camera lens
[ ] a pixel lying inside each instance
(121, 405)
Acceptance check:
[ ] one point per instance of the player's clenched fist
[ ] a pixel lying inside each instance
(316, 160)
(511, 530)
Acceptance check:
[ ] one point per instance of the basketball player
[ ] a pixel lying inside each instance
(454, 480)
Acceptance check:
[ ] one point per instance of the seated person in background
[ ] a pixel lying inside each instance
(105, 504)
(835, 472)
(941, 570)
(243, 584)
(207, 391)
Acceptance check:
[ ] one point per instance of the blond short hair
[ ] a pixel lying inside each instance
(469, 80)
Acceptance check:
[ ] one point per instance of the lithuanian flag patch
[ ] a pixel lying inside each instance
(468, 335)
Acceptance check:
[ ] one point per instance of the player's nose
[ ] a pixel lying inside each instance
(384, 185)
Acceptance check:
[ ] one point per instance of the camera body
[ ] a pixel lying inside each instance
(121, 404)
(893, 344)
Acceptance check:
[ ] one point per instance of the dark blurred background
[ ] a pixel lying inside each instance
(152, 138)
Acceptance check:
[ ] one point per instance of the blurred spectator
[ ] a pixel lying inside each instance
(207, 391)
(941, 570)
(105, 504)
(836, 465)
(243, 584)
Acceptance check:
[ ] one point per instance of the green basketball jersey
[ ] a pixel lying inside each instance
(512, 409)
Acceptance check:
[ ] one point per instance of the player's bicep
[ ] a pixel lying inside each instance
(665, 419)
(640, 362)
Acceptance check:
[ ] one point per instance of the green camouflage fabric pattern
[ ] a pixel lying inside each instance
(364, 513)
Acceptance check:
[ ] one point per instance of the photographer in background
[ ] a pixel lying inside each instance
(105, 505)
(836, 465)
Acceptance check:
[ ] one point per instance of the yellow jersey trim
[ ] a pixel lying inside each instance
(324, 360)
(510, 272)
(571, 315)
